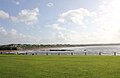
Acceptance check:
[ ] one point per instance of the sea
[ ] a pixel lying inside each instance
(84, 50)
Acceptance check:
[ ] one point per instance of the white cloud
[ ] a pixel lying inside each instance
(103, 27)
(17, 3)
(107, 22)
(109, 16)
(60, 37)
(3, 15)
(56, 27)
(27, 16)
(76, 16)
(7, 37)
(50, 4)
(3, 32)
(13, 32)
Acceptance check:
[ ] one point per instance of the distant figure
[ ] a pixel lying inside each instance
(26, 53)
(85, 51)
(71, 53)
(32, 53)
(115, 53)
(100, 53)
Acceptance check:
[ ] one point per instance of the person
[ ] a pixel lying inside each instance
(99, 53)
(85, 51)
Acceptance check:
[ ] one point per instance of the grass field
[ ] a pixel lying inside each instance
(15, 66)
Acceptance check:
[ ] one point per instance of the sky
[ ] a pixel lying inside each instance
(59, 21)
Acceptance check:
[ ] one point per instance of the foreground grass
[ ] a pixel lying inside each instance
(13, 66)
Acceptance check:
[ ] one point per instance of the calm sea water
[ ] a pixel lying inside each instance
(94, 50)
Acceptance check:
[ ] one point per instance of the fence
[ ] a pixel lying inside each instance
(59, 53)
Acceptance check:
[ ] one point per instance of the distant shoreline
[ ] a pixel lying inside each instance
(23, 47)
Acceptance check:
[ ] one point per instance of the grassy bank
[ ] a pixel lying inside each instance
(15, 66)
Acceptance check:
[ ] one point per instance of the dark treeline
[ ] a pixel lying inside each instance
(8, 47)
(36, 46)
(30, 46)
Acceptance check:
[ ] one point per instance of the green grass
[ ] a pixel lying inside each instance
(17, 66)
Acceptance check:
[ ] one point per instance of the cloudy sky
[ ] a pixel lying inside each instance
(59, 21)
